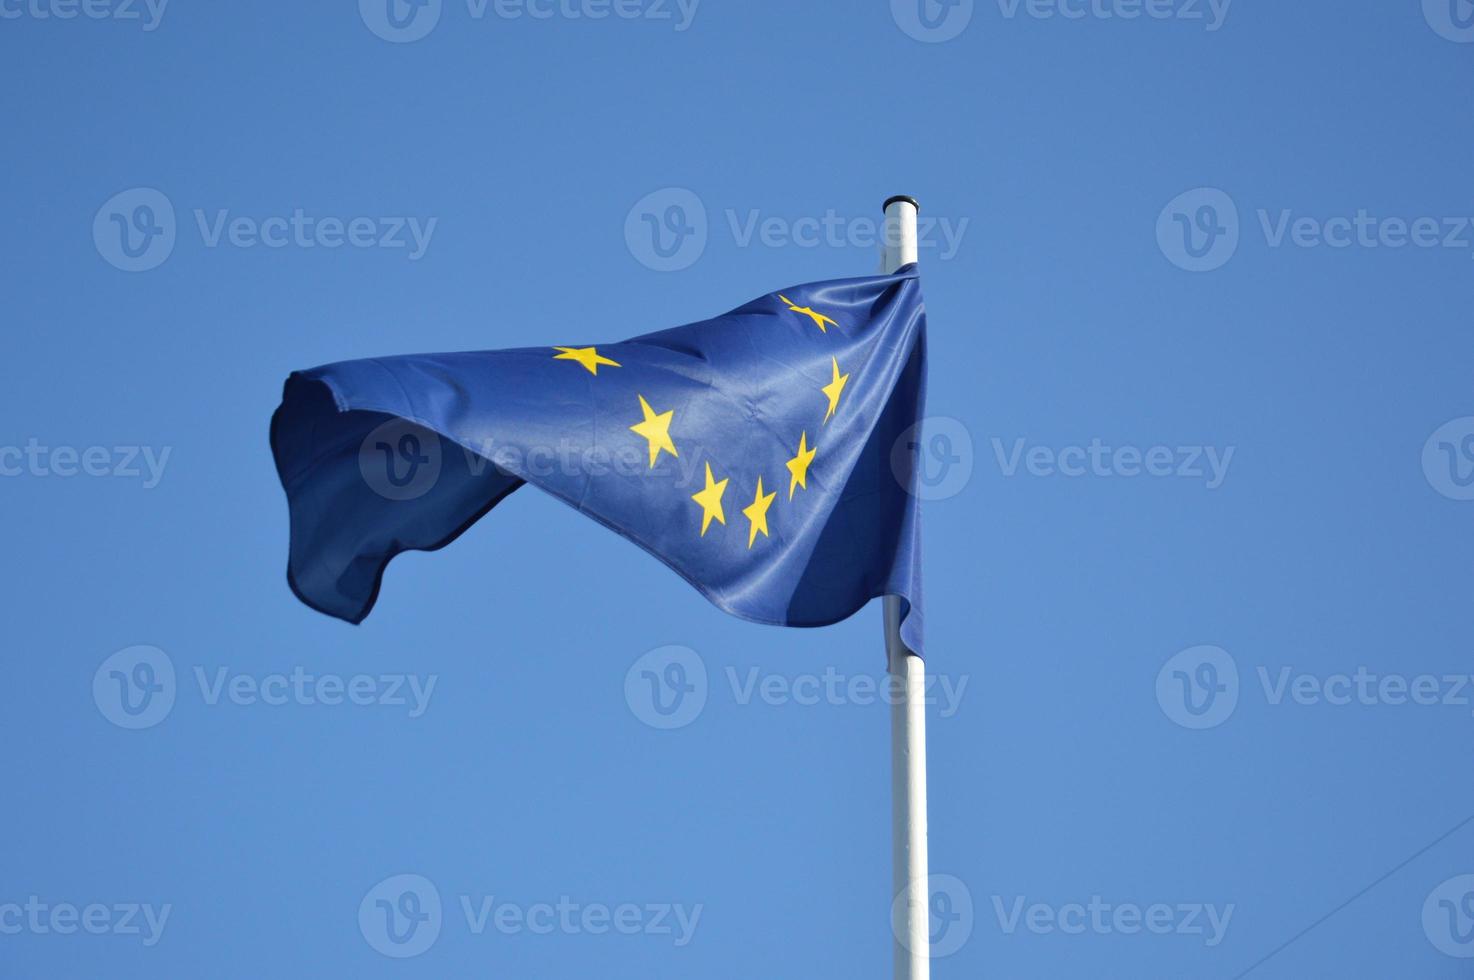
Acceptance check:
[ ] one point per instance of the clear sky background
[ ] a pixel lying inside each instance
(1081, 765)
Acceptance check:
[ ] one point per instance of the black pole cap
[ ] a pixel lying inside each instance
(901, 197)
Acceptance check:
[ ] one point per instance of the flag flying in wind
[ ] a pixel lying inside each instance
(766, 455)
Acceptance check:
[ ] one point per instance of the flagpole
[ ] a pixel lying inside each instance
(909, 912)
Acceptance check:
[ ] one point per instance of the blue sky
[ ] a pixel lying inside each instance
(1197, 534)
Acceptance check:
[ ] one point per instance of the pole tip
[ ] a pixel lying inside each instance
(907, 198)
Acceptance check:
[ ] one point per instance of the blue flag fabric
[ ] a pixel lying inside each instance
(766, 455)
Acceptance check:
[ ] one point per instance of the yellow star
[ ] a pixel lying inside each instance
(757, 513)
(833, 388)
(589, 357)
(799, 465)
(656, 430)
(710, 500)
(818, 318)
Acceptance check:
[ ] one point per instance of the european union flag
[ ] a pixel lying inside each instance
(765, 455)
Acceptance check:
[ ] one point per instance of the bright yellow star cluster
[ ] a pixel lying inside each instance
(655, 428)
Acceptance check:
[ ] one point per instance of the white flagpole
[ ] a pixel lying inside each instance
(909, 912)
